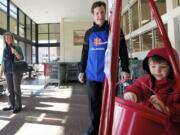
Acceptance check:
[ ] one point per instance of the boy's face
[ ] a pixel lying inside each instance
(159, 70)
(99, 15)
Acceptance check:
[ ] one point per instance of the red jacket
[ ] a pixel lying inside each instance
(165, 89)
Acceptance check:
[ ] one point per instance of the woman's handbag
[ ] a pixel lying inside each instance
(20, 67)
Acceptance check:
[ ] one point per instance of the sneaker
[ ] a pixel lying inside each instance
(7, 108)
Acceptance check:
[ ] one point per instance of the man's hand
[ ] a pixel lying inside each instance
(130, 96)
(158, 104)
(125, 76)
(81, 77)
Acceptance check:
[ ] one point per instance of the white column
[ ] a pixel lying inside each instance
(62, 47)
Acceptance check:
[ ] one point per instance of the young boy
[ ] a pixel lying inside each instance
(157, 89)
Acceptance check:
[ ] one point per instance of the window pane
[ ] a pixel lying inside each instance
(3, 5)
(21, 17)
(147, 41)
(21, 24)
(43, 54)
(22, 45)
(33, 54)
(3, 20)
(43, 28)
(146, 16)
(54, 28)
(161, 5)
(13, 25)
(13, 18)
(4, 2)
(28, 28)
(28, 53)
(125, 23)
(43, 38)
(136, 47)
(1, 47)
(3, 14)
(54, 38)
(33, 32)
(13, 11)
(157, 38)
(21, 30)
(54, 53)
(135, 16)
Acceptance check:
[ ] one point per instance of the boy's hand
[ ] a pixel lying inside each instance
(130, 96)
(158, 104)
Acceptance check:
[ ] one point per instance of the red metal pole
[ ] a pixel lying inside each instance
(104, 103)
(166, 41)
(115, 36)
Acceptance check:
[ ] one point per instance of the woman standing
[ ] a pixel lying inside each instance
(11, 54)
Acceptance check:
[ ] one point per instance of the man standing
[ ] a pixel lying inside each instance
(93, 59)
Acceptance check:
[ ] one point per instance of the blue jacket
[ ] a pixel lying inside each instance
(93, 52)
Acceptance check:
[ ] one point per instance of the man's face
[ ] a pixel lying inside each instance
(99, 15)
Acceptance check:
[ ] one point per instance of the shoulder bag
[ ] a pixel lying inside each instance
(20, 67)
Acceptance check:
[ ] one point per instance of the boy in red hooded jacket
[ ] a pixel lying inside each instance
(157, 88)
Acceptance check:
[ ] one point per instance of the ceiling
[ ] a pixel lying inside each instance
(51, 11)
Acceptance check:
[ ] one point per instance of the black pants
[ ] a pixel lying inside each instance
(95, 90)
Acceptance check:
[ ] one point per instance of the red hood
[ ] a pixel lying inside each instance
(162, 52)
